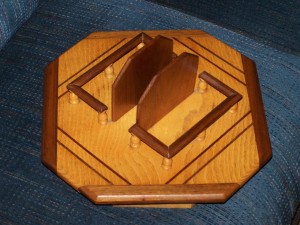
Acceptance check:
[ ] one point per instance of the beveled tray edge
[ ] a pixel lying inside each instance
(49, 126)
(159, 194)
(257, 110)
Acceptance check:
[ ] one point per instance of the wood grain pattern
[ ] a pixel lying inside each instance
(203, 171)
(212, 150)
(76, 85)
(152, 33)
(137, 73)
(97, 158)
(150, 103)
(214, 50)
(49, 138)
(158, 206)
(258, 113)
(166, 90)
(159, 193)
(97, 53)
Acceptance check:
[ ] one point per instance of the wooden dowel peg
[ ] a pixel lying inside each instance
(109, 71)
(135, 142)
(102, 118)
(201, 136)
(73, 99)
(234, 108)
(140, 45)
(167, 163)
(202, 88)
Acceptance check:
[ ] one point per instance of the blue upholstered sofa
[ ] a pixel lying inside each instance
(34, 32)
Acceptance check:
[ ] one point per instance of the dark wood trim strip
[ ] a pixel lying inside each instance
(160, 194)
(75, 74)
(89, 166)
(203, 124)
(218, 85)
(170, 151)
(224, 148)
(232, 98)
(258, 113)
(149, 140)
(119, 53)
(205, 150)
(87, 65)
(49, 130)
(63, 94)
(94, 156)
(86, 97)
(152, 33)
(76, 85)
(213, 53)
(202, 57)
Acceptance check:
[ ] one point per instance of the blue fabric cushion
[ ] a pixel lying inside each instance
(31, 194)
(269, 21)
(12, 14)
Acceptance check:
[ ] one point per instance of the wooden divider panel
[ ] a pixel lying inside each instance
(167, 89)
(140, 128)
(137, 73)
(76, 85)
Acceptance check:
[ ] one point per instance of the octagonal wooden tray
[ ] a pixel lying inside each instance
(97, 154)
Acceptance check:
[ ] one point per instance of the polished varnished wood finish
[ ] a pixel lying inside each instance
(137, 73)
(163, 94)
(158, 100)
(76, 85)
(94, 158)
(49, 138)
(232, 98)
(258, 113)
(166, 90)
(164, 194)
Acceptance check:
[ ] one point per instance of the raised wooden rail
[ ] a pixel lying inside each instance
(76, 86)
(170, 151)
